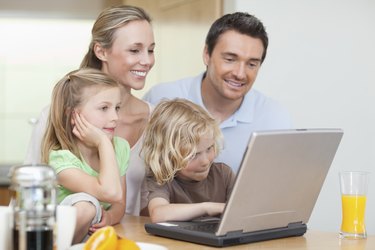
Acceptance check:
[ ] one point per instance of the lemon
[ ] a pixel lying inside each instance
(126, 244)
(103, 239)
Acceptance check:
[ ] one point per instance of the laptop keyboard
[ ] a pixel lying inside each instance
(203, 227)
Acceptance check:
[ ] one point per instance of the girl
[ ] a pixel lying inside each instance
(181, 142)
(79, 143)
(122, 46)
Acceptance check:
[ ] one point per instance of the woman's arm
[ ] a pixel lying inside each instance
(161, 210)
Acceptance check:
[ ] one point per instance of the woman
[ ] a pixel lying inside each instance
(122, 46)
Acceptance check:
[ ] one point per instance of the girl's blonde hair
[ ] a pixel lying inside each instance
(173, 134)
(67, 95)
(105, 27)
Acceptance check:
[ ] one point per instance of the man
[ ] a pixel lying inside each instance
(235, 49)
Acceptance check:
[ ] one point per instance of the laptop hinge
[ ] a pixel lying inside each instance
(234, 233)
(295, 224)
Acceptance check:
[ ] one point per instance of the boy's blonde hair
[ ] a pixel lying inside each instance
(67, 95)
(173, 134)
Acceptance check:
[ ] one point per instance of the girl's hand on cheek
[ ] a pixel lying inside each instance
(86, 132)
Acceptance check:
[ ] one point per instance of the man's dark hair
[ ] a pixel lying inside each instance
(240, 22)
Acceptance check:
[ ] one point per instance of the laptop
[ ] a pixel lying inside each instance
(278, 183)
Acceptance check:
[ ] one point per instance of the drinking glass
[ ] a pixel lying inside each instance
(353, 186)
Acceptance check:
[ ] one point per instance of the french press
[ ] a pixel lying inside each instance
(33, 189)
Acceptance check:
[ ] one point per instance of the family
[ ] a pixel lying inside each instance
(173, 155)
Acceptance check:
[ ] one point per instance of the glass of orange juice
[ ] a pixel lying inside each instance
(353, 186)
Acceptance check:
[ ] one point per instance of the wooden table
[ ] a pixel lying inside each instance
(132, 227)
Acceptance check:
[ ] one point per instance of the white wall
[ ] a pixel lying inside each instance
(320, 65)
(34, 54)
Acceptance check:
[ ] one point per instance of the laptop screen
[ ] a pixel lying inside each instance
(280, 178)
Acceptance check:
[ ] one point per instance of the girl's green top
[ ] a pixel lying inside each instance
(64, 159)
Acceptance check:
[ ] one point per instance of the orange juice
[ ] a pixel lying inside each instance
(353, 214)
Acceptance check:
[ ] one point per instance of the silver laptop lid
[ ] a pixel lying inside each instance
(280, 178)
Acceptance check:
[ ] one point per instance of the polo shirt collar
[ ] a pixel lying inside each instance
(195, 92)
(246, 111)
(244, 114)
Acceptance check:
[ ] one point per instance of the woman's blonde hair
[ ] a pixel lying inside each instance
(105, 26)
(67, 95)
(173, 134)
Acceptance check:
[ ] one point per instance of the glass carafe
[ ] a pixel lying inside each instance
(34, 206)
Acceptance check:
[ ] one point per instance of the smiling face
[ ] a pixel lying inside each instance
(131, 56)
(199, 166)
(233, 65)
(100, 107)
